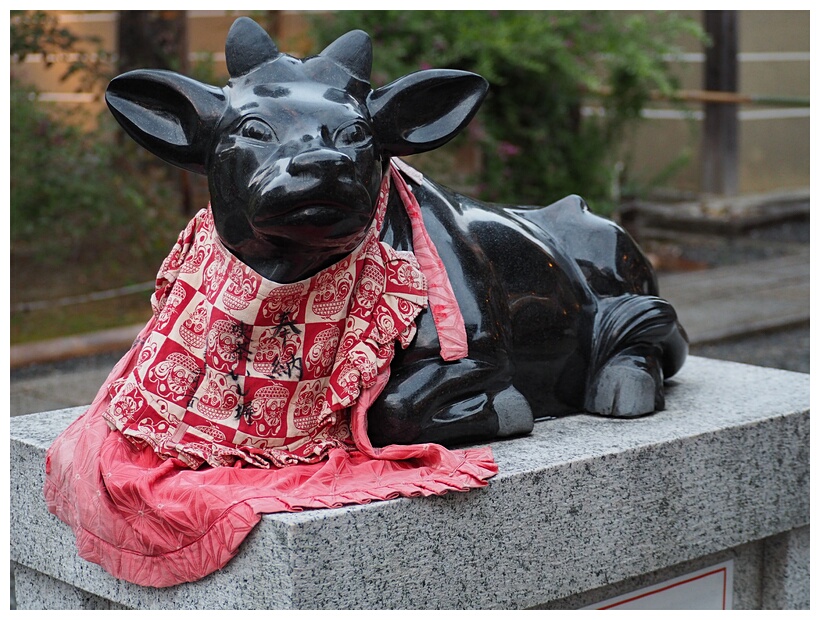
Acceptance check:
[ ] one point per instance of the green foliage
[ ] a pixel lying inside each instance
(36, 32)
(543, 66)
(76, 192)
(90, 209)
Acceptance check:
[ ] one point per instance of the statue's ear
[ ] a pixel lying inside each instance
(172, 116)
(424, 110)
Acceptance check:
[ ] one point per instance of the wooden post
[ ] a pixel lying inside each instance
(719, 157)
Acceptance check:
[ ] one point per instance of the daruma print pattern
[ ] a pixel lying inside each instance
(239, 367)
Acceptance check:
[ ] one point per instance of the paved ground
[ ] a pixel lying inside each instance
(69, 383)
(787, 349)
(735, 300)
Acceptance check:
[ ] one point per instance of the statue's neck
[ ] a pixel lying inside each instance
(287, 263)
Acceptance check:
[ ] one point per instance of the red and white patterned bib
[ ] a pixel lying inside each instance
(240, 367)
(235, 369)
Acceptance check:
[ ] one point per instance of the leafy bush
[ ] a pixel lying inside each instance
(75, 192)
(536, 143)
(90, 209)
(79, 193)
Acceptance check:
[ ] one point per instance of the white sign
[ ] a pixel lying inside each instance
(709, 588)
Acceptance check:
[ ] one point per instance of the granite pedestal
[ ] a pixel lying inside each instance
(584, 509)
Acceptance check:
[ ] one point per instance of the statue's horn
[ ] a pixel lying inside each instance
(247, 47)
(354, 52)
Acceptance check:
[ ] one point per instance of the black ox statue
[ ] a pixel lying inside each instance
(560, 305)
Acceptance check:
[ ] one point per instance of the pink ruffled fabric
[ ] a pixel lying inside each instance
(158, 522)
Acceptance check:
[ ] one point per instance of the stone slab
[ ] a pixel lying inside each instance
(39, 591)
(786, 557)
(582, 503)
(747, 579)
(725, 215)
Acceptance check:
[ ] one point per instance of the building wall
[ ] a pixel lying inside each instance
(663, 151)
(773, 61)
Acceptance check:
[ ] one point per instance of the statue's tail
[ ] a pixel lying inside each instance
(638, 331)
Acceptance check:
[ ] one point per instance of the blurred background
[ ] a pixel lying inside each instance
(689, 128)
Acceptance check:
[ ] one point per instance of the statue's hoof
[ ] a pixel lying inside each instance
(624, 390)
(514, 413)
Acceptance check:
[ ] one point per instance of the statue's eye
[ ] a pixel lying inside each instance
(357, 134)
(256, 129)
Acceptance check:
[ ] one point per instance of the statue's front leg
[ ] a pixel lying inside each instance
(449, 403)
